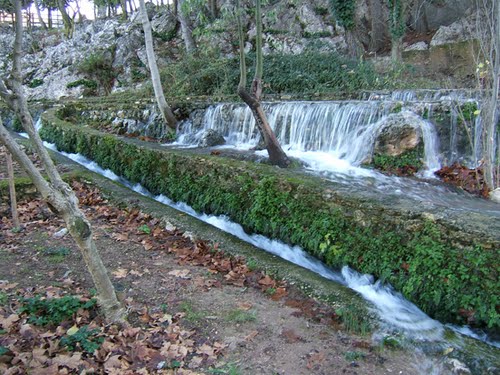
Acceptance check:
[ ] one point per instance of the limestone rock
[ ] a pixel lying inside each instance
(397, 137)
(495, 195)
(420, 46)
(164, 22)
(211, 138)
(458, 31)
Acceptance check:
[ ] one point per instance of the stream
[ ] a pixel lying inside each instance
(398, 317)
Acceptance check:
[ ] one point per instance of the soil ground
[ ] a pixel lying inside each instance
(192, 309)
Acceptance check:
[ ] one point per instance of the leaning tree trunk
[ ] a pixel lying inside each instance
(164, 108)
(276, 154)
(55, 191)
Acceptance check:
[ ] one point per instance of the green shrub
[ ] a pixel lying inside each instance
(16, 125)
(310, 72)
(98, 67)
(35, 83)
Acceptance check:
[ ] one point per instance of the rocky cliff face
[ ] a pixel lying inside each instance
(51, 62)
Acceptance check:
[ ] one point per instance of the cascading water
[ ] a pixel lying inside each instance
(344, 132)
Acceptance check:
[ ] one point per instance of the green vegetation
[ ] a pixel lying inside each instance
(144, 229)
(308, 73)
(344, 11)
(391, 342)
(354, 356)
(16, 125)
(89, 84)
(406, 164)
(192, 315)
(3, 298)
(53, 310)
(241, 316)
(98, 67)
(450, 275)
(84, 339)
(35, 83)
(354, 321)
(56, 255)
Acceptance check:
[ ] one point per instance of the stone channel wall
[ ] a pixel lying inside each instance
(448, 266)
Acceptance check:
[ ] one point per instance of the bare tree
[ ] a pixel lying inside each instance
(55, 191)
(488, 36)
(276, 154)
(164, 108)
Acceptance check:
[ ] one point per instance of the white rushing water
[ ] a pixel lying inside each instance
(391, 307)
(327, 136)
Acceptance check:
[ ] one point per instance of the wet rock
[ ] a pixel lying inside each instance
(397, 137)
(211, 138)
(456, 367)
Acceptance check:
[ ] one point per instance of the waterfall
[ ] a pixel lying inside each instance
(343, 131)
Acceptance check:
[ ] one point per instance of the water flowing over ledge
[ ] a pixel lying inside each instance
(345, 131)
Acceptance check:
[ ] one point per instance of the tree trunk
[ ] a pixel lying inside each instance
(67, 21)
(276, 154)
(55, 190)
(175, 5)
(12, 190)
(164, 108)
(49, 17)
(492, 117)
(123, 4)
(397, 49)
(186, 30)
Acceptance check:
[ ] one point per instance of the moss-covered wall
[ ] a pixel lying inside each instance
(450, 274)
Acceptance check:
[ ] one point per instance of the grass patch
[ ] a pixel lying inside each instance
(55, 255)
(192, 315)
(241, 316)
(352, 356)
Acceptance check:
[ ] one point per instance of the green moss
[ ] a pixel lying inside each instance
(424, 262)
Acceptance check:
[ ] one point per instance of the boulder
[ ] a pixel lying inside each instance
(495, 195)
(164, 23)
(211, 138)
(459, 31)
(397, 137)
